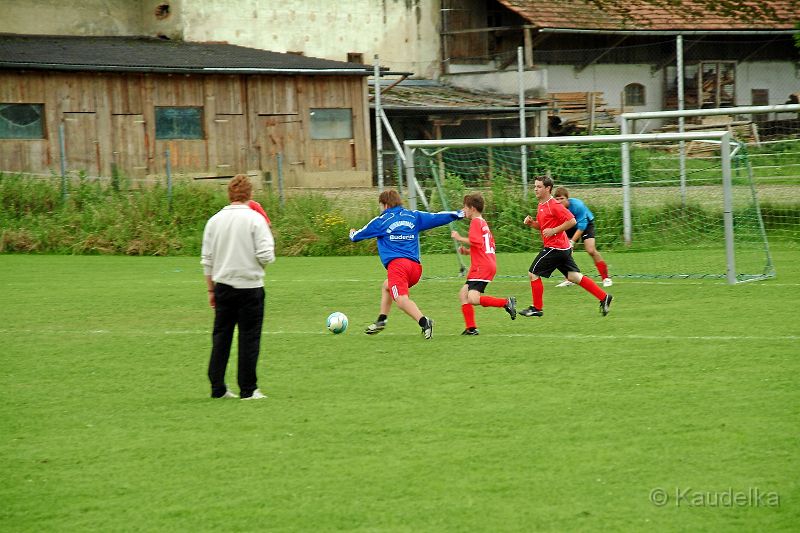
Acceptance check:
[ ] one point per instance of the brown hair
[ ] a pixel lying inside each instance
(390, 198)
(240, 189)
(475, 201)
(561, 191)
(547, 181)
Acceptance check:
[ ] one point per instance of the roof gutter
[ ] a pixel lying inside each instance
(670, 32)
(183, 70)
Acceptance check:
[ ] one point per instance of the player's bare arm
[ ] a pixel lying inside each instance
(531, 222)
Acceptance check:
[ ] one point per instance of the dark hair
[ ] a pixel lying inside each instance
(390, 198)
(240, 189)
(547, 181)
(474, 200)
(561, 191)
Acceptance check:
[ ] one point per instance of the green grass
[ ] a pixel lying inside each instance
(561, 423)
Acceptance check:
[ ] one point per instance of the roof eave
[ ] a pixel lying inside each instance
(184, 70)
(669, 32)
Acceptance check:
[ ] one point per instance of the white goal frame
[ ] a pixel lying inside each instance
(722, 137)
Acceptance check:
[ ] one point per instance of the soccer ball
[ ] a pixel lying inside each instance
(337, 322)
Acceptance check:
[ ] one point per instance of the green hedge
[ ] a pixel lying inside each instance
(99, 218)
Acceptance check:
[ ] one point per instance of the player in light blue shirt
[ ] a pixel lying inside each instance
(583, 230)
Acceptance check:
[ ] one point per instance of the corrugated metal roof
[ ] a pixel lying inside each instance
(638, 15)
(143, 54)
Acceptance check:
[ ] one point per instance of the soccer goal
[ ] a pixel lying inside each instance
(647, 226)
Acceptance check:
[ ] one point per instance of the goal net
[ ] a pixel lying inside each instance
(648, 226)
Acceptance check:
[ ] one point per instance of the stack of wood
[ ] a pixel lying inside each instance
(743, 130)
(585, 110)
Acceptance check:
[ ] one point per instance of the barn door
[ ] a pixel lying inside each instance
(283, 134)
(231, 144)
(128, 148)
(80, 143)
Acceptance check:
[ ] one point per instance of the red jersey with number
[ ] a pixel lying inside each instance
(552, 214)
(483, 263)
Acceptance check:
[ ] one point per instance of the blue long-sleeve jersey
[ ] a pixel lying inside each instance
(581, 213)
(397, 231)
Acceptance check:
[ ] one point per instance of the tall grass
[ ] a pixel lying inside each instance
(109, 218)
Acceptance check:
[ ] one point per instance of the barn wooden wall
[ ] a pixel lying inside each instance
(109, 119)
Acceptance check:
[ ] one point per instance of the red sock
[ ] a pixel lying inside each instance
(591, 286)
(469, 315)
(537, 289)
(602, 268)
(491, 301)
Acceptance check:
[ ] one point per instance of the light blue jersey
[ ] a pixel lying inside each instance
(581, 213)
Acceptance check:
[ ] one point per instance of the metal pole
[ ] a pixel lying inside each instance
(280, 178)
(169, 180)
(63, 153)
(378, 127)
(681, 144)
(398, 160)
(727, 208)
(523, 150)
(626, 184)
(411, 180)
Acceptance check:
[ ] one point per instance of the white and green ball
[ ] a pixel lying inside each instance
(337, 322)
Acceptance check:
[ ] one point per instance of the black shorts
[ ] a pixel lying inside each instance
(550, 259)
(475, 285)
(588, 233)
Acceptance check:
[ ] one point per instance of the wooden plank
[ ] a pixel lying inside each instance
(129, 150)
(80, 142)
(230, 141)
(178, 90)
(125, 92)
(185, 155)
(22, 88)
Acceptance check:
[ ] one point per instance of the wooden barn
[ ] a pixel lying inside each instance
(124, 102)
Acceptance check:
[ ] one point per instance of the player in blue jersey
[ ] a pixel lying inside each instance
(397, 231)
(583, 230)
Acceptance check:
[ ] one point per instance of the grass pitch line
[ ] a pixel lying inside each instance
(574, 336)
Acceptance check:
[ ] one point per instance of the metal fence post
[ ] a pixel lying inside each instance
(169, 180)
(63, 154)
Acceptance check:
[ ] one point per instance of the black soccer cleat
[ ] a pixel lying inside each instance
(605, 304)
(470, 331)
(375, 328)
(531, 311)
(511, 307)
(427, 328)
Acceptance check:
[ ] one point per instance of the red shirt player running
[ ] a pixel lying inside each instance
(483, 266)
(553, 219)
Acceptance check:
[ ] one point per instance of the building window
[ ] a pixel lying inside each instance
(634, 94)
(21, 121)
(179, 123)
(759, 97)
(331, 124)
(355, 57)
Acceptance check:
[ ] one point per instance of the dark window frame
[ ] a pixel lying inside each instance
(193, 132)
(635, 94)
(24, 132)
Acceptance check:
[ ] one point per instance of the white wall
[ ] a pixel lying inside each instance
(781, 78)
(505, 82)
(71, 17)
(404, 33)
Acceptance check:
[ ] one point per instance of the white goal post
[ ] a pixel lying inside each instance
(722, 137)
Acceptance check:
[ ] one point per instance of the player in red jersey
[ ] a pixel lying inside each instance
(553, 219)
(483, 265)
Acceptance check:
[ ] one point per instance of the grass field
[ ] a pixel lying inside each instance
(568, 422)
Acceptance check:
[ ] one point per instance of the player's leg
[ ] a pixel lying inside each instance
(402, 275)
(386, 306)
(565, 282)
(591, 249)
(467, 310)
(574, 275)
(225, 314)
(251, 318)
(543, 265)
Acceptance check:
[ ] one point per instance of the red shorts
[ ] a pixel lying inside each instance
(402, 274)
